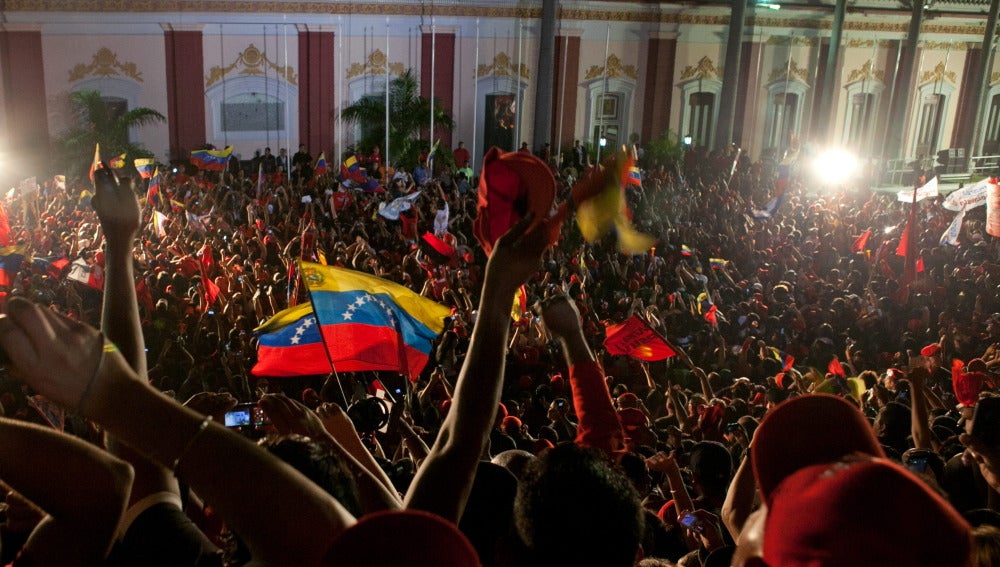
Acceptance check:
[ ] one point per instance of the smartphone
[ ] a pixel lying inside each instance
(238, 417)
(691, 522)
(917, 464)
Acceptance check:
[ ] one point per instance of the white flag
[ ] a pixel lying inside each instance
(950, 236)
(967, 197)
(929, 189)
(391, 210)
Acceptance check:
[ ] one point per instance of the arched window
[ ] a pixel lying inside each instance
(252, 108)
(991, 132)
(700, 110)
(610, 110)
(930, 110)
(784, 112)
(497, 113)
(863, 99)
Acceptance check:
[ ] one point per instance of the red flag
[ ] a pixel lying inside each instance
(144, 296)
(908, 249)
(862, 241)
(835, 368)
(634, 338)
(711, 316)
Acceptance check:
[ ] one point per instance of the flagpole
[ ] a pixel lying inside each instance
(326, 348)
(430, 133)
(339, 86)
(562, 97)
(475, 104)
(288, 126)
(604, 91)
(387, 161)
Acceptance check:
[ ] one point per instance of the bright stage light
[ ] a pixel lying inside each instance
(833, 167)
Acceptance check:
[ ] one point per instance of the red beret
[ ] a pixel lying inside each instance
(930, 350)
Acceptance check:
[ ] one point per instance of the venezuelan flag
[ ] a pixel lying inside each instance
(211, 160)
(351, 163)
(11, 258)
(145, 167)
(718, 263)
(117, 162)
(290, 344)
(96, 164)
(686, 250)
(372, 324)
(633, 177)
(321, 168)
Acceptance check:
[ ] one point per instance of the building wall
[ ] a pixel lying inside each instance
(771, 40)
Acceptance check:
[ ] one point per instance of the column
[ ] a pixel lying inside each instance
(444, 73)
(661, 57)
(747, 83)
(982, 80)
(24, 97)
(543, 84)
(831, 72)
(185, 88)
(317, 96)
(896, 131)
(730, 75)
(567, 60)
(965, 114)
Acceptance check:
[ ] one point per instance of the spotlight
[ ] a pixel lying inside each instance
(835, 166)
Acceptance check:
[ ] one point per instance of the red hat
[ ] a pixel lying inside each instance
(511, 185)
(628, 400)
(930, 350)
(390, 538)
(805, 431)
(510, 422)
(541, 445)
(966, 385)
(867, 512)
(632, 418)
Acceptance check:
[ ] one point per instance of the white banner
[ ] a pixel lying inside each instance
(967, 197)
(930, 189)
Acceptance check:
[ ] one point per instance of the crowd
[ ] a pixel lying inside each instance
(821, 408)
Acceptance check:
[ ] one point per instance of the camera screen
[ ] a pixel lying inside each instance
(238, 418)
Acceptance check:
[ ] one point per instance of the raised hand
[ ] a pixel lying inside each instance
(517, 255)
(560, 315)
(215, 404)
(289, 416)
(63, 360)
(115, 204)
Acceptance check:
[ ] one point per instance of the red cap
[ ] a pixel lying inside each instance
(805, 431)
(390, 538)
(632, 418)
(861, 513)
(511, 185)
(930, 350)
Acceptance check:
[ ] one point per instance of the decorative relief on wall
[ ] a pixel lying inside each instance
(936, 74)
(705, 69)
(790, 70)
(995, 78)
(792, 40)
(105, 64)
(945, 45)
(502, 66)
(615, 70)
(866, 72)
(868, 43)
(375, 65)
(251, 61)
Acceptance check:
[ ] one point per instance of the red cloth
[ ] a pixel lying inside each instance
(598, 424)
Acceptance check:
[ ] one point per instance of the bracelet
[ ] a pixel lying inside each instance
(106, 347)
(190, 443)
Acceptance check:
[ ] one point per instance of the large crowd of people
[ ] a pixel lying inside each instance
(822, 407)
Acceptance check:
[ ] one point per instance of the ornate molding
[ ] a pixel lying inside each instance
(792, 40)
(938, 73)
(105, 63)
(375, 65)
(945, 45)
(251, 61)
(790, 70)
(502, 66)
(615, 70)
(866, 72)
(995, 78)
(705, 69)
(868, 43)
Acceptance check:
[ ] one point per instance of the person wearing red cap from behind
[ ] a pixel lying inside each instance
(830, 498)
(933, 362)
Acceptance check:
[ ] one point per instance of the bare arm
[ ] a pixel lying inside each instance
(443, 483)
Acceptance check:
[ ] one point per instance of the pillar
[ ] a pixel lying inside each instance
(661, 58)
(317, 94)
(444, 74)
(24, 97)
(567, 60)
(730, 75)
(185, 89)
(896, 130)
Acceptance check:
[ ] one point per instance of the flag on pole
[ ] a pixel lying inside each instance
(159, 224)
(211, 160)
(117, 162)
(321, 168)
(145, 167)
(634, 338)
(718, 263)
(967, 197)
(520, 306)
(290, 344)
(432, 155)
(929, 189)
(633, 177)
(780, 186)
(4, 227)
(950, 236)
(862, 241)
(372, 324)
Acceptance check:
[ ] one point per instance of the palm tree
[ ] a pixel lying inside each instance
(408, 113)
(95, 121)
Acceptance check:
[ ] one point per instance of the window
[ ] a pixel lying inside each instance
(991, 136)
(862, 120)
(784, 120)
(701, 117)
(929, 124)
(862, 117)
(252, 112)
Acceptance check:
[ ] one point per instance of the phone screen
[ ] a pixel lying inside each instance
(917, 465)
(689, 520)
(238, 418)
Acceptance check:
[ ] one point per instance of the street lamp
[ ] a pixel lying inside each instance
(688, 140)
